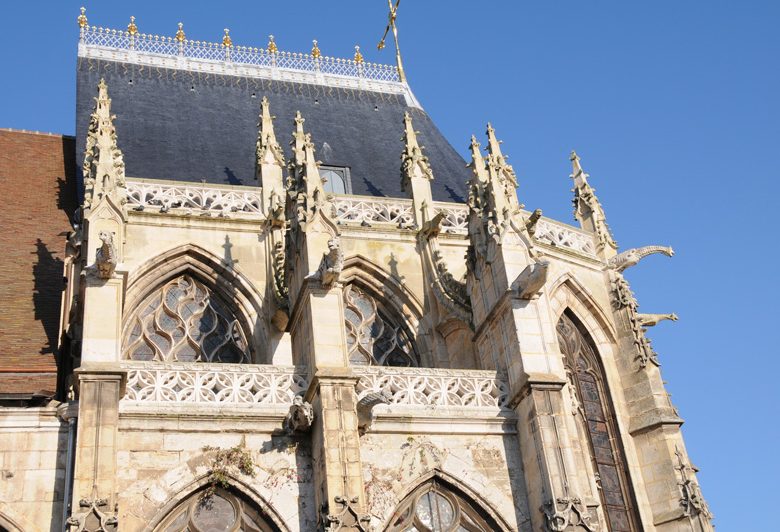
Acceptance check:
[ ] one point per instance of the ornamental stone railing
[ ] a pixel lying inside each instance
(367, 211)
(120, 44)
(562, 236)
(196, 199)
(213, 384)
(428, 387)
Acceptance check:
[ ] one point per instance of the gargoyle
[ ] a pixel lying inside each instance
(332, 263)
(530, 225)
(632, 257)
(105, 256)
(648, 320)
(300, 417)
(531, 280)
(365, 407)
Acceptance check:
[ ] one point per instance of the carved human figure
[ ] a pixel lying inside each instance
(105, 256)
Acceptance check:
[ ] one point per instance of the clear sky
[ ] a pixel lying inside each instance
(673, 107)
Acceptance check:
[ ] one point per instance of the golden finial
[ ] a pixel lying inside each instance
(315, 50)
(358, 55)
(272, 49)
(132, 29)
(226, 42)
(82, 20)
(180, 33)
(391, 16)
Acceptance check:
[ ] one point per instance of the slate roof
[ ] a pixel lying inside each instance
(190, 126)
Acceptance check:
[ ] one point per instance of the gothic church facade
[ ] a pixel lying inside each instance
(290, 305)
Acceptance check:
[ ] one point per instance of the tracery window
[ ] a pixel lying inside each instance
(185, 321)
(597, 419)
(373, 337)
(222, 511)
(434, 507)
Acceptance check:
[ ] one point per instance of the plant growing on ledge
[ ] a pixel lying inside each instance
(227, 462)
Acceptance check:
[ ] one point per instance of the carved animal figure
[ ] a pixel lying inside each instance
(632, 257)
(365, 407)
(300, 416)
(648, 320)
(332, 263)
(531, 280)
(105, 256)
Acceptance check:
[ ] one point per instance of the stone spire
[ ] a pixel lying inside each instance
(502, 178)
(104, 167)
(269, 166)
(588, 210)
(416, 174)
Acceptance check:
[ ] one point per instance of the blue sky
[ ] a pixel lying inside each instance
(672, 106)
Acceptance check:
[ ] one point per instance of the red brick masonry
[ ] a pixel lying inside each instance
(38, 190)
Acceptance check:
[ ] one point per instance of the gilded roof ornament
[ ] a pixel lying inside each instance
(180, 36)
(272, 49)
(315, 50)
(391, 16)
(226, 40)
(82, 19)
(132, 29)
(358, 55)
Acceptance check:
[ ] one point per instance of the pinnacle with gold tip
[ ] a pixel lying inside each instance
(272, 49)
(358, 55)
(180, 36)
(82, 19)
(315, 50)
(226, 41)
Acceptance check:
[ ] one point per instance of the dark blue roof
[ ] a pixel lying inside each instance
(190, 126)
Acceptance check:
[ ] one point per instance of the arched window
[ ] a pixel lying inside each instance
(598, 422)
(221, 511)
(438, 507)
(374, 338)
(185, 321)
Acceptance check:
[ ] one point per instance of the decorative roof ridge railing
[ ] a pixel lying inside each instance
(226, 52)
(207, 199)
(429, 387)
(222, 384)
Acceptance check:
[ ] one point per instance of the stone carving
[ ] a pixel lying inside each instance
(559, 235)
(188, 198)
(365, 407)
(452, 293)
(587, 208)
(414, 163)
(691, 499)
(623, 299)
(530, 224)
(346, 517)
(370, 211)
(300, 417)
(280, 289)
(650, 320)
(217, 384)
(103, 167)
(105, 256)
(531, 280)
(632, 257)
(94, 517)
(332, 263)
(434, 387)
(267, 148)
(565, 512)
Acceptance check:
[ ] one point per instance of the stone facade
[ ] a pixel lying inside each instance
(291, 359)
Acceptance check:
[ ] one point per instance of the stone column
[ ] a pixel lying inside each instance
(94, 482)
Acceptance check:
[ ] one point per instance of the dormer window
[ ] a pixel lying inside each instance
(336, 179)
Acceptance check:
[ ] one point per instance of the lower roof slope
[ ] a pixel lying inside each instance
(191, 126)
(37, 179)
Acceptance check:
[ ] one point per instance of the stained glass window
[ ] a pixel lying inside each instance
(373, 338)
(185, 321)
(597, 419)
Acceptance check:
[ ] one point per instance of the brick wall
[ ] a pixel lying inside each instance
(37, 187)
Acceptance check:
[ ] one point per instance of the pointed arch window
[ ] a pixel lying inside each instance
(221, 511)
(185, 321)
(437, 507)
(374, 336)
(596, 413)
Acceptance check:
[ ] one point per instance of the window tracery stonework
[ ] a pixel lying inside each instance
(373, 339)
(184, 321)
(595, 414)
(434, 508)
(222, 510)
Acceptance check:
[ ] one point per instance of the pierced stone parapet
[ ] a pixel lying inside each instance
(223, 384)
(559, 235)
(193, 199)
(368, 211)
(456, 217)
(429, 387)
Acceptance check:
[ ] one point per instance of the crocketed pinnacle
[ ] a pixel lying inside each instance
(587, 207)
(414, 163)
(268, 149)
